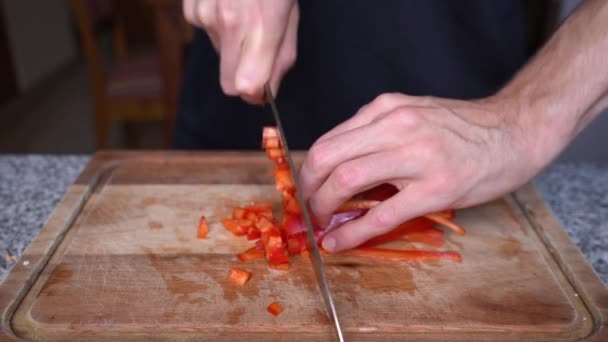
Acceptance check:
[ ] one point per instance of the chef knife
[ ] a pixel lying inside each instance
(311, 241)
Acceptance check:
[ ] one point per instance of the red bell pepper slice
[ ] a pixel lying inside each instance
(203, 228)
(238, 276)
(275, 308)
(412, 225)
(406, 255)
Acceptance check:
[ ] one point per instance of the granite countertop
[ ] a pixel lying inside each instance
(32, 185)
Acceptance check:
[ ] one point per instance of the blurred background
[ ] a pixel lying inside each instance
(82, 75)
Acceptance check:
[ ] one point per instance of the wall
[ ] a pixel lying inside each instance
(40, 36)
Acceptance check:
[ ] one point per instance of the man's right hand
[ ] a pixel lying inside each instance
(256, 41)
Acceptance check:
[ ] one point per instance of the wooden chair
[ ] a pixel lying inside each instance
(129, 88)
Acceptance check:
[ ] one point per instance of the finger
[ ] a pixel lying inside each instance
(258, 56)
(380, 135)
(405, 205)
(323, 157)
(287, 52)
(380, 105)
(357, 175)
(230, 51)
(229, 22)
(189, 10)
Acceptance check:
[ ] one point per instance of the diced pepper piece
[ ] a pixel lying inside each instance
(275, 308)
(253, 233)
(269, 132)
(266, 214)
(264, 224)
(272, 142)
(296, 244)
(407, 255)
(251, 216)
(290, 204)
(276, 154)
(258, 207)
(238, 213)
(283, 180)
(238, 276)
(203, 228)
(245, 223)
(252, 253)
(233, 226)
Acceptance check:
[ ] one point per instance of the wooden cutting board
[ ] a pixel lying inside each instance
(119, 260)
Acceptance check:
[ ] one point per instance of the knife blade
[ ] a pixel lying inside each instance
(311, 241)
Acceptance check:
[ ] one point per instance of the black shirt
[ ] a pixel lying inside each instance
(349, 52)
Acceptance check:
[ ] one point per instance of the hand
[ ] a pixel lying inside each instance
(256, 41)
(439, 153)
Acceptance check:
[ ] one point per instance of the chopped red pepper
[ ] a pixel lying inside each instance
(253, 233)
(291, 205)
(251, 254)
(275, 308)
(238, 276)
(238, 213)
(233, 226)
(259, 207)
(203, 228)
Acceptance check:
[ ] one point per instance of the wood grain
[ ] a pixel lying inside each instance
(130, 268)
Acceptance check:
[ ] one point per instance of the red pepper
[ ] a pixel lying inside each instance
(407, 255)
(290, 204)
(296, 243)
(264, 224)
(401, 230)
(233, 226)
(238, 213)
(203, 228)
(283, 180)
(259, 207)
(275, 308)
(238, 276)
(253, 233)
(252, 253)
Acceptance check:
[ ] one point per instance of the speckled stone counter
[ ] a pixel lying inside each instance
(32, 185)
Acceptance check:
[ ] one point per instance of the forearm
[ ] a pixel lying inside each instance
(566, 84)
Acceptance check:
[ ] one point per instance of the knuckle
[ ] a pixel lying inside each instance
(386, 101)
(404, 118)
(204, 15)
(249, 89)
(317, 157)
(345, 178)
(381, 219)
(229, 19)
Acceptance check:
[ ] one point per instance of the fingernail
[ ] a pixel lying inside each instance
(329, 244)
